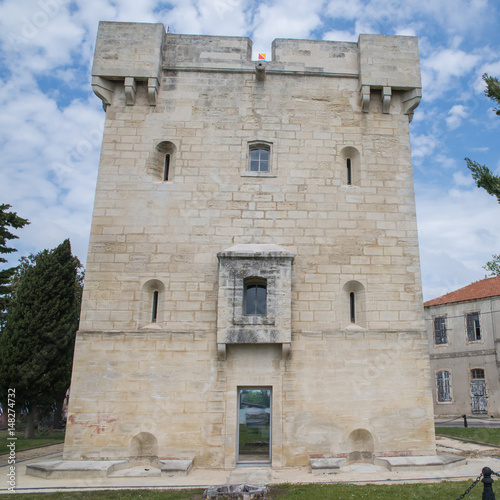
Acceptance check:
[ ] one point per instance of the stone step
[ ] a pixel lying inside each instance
(326, 465)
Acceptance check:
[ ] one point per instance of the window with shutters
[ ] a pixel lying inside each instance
(473, 327)
(443, 386)
(440, 334)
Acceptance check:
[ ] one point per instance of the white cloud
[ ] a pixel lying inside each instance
(458, 232)
(423, 145)
(462, 180)
(279, 20)
(213, 17)
(49, 159)
(441, 69)
(340, 36)
(455, 116)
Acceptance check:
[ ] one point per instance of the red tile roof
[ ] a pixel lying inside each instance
(489, 287)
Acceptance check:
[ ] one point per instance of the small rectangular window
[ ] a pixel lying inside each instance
(259, 159)
(255, 298)
(473, 327)
(440, 334)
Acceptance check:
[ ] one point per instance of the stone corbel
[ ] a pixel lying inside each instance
(411, 99)
(153, 86)
(285, 350)
(386, 99)
(130, 89)
(104, 89)
(221, 351)
(365, 98)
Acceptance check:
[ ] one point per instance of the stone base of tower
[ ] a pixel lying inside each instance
(85, 469)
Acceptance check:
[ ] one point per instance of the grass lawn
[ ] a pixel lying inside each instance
(22, 443)
(441, 491)
(485, 435)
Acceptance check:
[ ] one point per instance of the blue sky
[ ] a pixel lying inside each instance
(51, 123)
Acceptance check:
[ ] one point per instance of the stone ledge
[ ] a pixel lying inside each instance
(440, 461)
(61, 469)
(175, 467)
(82, 469)
(326, 465)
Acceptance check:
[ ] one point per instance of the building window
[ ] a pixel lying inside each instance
(161, 163)
(443, 386)
(440, 335)
(255, 297)
(154, 313)
(473, 327)
(477, 373)
(350, 164)
(354, 305)
(260, 159)
(167, 167)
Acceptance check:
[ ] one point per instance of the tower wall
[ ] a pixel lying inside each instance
(317, 107)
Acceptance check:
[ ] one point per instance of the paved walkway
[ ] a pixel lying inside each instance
(478, 457)
(471, 422)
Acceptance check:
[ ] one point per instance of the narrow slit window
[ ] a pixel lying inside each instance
(349, 171)
(167, 167)
(352, 306)
(154, 313)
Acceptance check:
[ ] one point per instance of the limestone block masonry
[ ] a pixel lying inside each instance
(254, 229)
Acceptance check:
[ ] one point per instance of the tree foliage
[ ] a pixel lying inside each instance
(480, 173)
(8, 220)
(484, 178)
(492, 90)
(36, 346)
(493, 266)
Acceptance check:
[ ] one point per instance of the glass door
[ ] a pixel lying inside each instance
(254, 425)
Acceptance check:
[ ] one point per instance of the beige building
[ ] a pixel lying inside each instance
(463, 328)
(252, 292)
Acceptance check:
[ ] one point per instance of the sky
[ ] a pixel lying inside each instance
(51, 123)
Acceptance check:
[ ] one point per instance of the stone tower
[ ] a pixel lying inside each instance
(252, 292)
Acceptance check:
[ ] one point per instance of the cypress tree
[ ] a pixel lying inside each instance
(7, 220)
(36, 347)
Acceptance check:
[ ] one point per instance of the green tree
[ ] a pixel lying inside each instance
(493, 266)
(480, 173)
(36, 346)
(8, 220)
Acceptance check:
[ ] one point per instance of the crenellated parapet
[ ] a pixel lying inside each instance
(132, 54)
